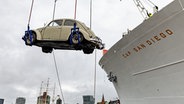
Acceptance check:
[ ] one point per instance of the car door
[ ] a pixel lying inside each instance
(53, 31)
(66, 28)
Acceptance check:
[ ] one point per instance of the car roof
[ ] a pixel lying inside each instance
(81, 23)
(67, 19)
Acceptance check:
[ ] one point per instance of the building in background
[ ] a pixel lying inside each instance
(44, 99)
(115, 102)
(103, 101)
(20, 100)
(1, 101)
(88, 99)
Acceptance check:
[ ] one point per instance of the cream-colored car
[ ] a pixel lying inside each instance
(66, 34)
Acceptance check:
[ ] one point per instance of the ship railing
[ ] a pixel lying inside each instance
(126, 33)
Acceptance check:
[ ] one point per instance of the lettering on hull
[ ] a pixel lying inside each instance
(149, 42)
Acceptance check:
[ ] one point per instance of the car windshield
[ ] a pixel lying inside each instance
(55, 23)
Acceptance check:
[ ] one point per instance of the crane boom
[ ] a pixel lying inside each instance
(142, 9)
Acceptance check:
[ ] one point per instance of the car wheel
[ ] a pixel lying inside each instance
(88, 50)
(47, 49)
(32, 40)
(77, 38)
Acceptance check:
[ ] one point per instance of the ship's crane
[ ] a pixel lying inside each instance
(142, 9)
(144, 12)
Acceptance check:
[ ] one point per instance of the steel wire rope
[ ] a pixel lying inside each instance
(55, 63)
(95, 75)
(95, 52)
(54, 10)
(143, 11)
(152, 3)
(75, 11)
(30, 14)
(155, 6)
(59, 81)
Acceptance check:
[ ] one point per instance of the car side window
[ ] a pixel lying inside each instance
(69, 23)
(56, 23)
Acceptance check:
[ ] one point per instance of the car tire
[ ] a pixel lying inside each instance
(76, 40)
(88, 50)
(47, 49)
(28, 41)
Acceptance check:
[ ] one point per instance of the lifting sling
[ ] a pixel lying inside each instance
(74, 30)
(28, 34)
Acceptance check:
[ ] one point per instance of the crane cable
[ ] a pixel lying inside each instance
(75, 12)
(95, 75)
(30, 14)
(95, 52)
(59, 81)
(143, 11)
(54, 10)
(155, 6)
(55, 63)
(152, 3)
(28, 33)
(90, 14)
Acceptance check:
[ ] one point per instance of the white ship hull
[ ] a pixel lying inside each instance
(147, 65)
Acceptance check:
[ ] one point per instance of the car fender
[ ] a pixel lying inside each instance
(38, 34)
(85, 34)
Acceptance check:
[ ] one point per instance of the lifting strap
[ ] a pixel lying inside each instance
(74, 30)
(28, 34)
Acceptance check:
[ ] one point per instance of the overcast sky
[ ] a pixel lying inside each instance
(23, 68)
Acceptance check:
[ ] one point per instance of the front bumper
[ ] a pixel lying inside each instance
(98, 42)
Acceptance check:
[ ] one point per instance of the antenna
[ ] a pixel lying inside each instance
(47, 91)
(39, 99)
(41, 88)
(53, 97)
(47, 85)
